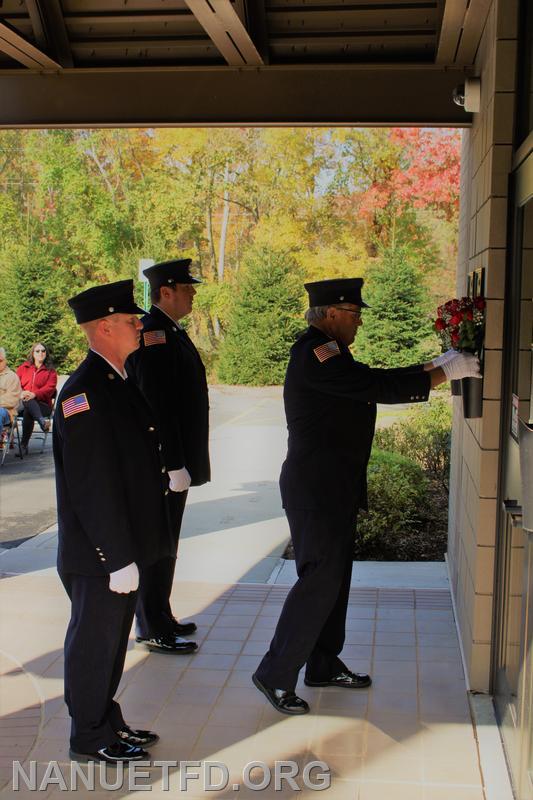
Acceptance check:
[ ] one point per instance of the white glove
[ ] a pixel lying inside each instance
(124, 580)
(179, 479)
(444, 358)
(464, 365)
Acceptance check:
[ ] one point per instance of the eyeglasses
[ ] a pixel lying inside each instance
(357, 314)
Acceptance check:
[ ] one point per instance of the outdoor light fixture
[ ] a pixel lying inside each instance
(468, 95)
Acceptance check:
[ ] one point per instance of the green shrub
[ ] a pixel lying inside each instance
(423, 436)
(264, 320)
(407, 517)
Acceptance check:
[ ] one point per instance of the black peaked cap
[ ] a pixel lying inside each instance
(336, 290)
(168, 273)
(101, 301)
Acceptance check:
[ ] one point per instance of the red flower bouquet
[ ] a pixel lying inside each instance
(460, 324)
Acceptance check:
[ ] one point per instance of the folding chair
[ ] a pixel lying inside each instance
(12, 432)
(37, 432)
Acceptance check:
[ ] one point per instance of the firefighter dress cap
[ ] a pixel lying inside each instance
(101, 301)
(167, 273)
(336, 290)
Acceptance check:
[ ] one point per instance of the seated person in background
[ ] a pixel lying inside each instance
(38, 379)
(10, 392)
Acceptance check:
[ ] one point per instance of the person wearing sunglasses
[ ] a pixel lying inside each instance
(38, 379)
(330, 405)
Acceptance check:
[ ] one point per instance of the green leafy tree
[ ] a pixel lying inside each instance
(32, 305)
(264, 321)
(397, 329)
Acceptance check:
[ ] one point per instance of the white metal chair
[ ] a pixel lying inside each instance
(13, 433)
(36, 433)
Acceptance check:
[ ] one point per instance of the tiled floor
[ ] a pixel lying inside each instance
(409, 737)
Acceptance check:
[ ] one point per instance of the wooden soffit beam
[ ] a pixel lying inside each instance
(223, 26)
(18, 48)
(450, 32)
(461, 30)
(218, 96)
(473, 25)
(49, 29)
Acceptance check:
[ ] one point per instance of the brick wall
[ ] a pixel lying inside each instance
(486, 164)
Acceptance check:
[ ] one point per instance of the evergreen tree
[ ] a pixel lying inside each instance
(265, 320)
(397, 329)
(32, 305)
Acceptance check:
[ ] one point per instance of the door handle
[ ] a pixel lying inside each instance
(512, 508)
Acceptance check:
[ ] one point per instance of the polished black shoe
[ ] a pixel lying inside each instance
(173, 645)
(345, 679)
(117, 753)
(184, 628)
(137, 738)
(283, 700)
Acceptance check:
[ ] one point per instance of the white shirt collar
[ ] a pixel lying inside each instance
(123, 374)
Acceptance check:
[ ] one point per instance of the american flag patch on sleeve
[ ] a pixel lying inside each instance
(154, 337)
(75, 405)
(325, 351)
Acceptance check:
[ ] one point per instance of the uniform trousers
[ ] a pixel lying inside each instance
(95, 651)
(154, 615)
(311, 627)
(32, 410)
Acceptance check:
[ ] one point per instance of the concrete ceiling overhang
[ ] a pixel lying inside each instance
(235, 62)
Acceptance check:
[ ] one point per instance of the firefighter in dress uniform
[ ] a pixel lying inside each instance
(114, 519)
(169, 371)
(330, 405)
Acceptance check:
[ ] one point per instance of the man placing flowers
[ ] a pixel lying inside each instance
(330, 404)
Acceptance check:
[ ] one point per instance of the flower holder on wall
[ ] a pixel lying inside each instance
(472, 393)
(460, 324)
(455, 388)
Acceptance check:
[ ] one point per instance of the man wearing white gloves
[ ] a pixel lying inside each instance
(456, 365)
(169, 371)
(331, 405)
(114, 517)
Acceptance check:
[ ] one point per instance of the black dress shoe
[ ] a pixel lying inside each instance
(137, 738)
(173, 645)
(117, 753)
(283, 700)
(184, 628)
(346, 679)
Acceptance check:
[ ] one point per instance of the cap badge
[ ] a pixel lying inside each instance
(111, 309)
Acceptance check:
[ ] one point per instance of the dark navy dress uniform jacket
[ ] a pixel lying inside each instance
(170, 373)
(111, 482)
(330, 407)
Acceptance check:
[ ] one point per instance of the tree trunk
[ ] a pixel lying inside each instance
(224, 228)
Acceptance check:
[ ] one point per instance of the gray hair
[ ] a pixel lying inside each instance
(2, 352)
(316, 314)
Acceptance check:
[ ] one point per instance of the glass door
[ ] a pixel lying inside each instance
(514, 589)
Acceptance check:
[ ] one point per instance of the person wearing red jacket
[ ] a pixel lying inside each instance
(38, 379)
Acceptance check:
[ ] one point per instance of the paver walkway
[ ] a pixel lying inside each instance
(409, 737)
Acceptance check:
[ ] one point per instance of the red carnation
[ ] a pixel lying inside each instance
(479, 303)
(456, 319)
(455, 338)
(469, 314)
(440, 325)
